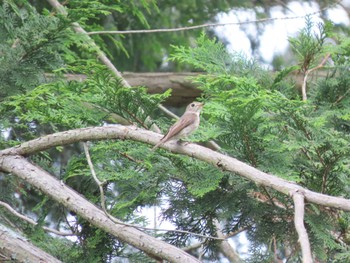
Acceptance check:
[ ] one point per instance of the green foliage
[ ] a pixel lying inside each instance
(320, 227)
(265, 123)
(198, 57)
(308, 46)
(253, 115)
(144, 52)
(30, 45)
(61, 105)
(94, 15)
(133, 104)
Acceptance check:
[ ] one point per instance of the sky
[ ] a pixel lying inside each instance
(274, 38)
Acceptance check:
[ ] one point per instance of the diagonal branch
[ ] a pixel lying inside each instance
(32, 222)
(16, 248)
(299, 208)
(97, 181)
(226, 249)
(19, 166)
(101, 55)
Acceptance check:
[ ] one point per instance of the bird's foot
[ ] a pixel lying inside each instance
(183, 143)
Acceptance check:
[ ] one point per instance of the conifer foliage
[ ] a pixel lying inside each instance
(262, 120)
(259, 117)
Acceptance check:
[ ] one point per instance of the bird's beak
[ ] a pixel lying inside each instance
(201, 104)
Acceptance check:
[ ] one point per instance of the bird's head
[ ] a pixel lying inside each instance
(195, 107)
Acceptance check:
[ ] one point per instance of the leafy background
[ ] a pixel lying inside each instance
(254, 114)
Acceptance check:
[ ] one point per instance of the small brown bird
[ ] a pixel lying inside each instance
(187, 124)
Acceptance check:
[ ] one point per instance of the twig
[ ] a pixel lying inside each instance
(267, 199)
(103, 58)
(321, 65)
(342, 97)
(98, 182)
(299, 205)
(231, 234)
(31, 221)
(226, 249)
(130, 158)
(4, 258)
(276, 258)
(103, 205)
(167, 30)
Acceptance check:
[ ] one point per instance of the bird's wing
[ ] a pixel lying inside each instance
(177, 127)
(182, 123)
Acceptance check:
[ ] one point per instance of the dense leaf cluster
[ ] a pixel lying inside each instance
(30, 45)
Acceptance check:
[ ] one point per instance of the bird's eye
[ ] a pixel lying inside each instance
(192, 105)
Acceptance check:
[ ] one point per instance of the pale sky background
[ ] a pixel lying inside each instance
(274, 38)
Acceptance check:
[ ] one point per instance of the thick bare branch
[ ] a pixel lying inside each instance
(16, 248)
(225, 247)
(184, 91)
(218, 160)
(19, 166)
(299, 210)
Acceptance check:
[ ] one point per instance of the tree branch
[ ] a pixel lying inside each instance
(103, 204)
(19, 166)
(31, 221)
(225, 247)
(100, 54)
(97, 181)
(321, 65)
(299, 211)
(221, 161)
(16, 248)
(183, 90)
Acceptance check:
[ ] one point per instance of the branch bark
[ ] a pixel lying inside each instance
(225, 248)
(221, 161)
(56, 190)
(12, 161)
(307, 73)
(32, 222)
(184, 91)
(299, 210)
(16, 248)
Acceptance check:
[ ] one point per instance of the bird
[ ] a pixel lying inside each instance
(188, 123)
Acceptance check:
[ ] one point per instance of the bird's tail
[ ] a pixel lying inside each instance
(157, 145)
